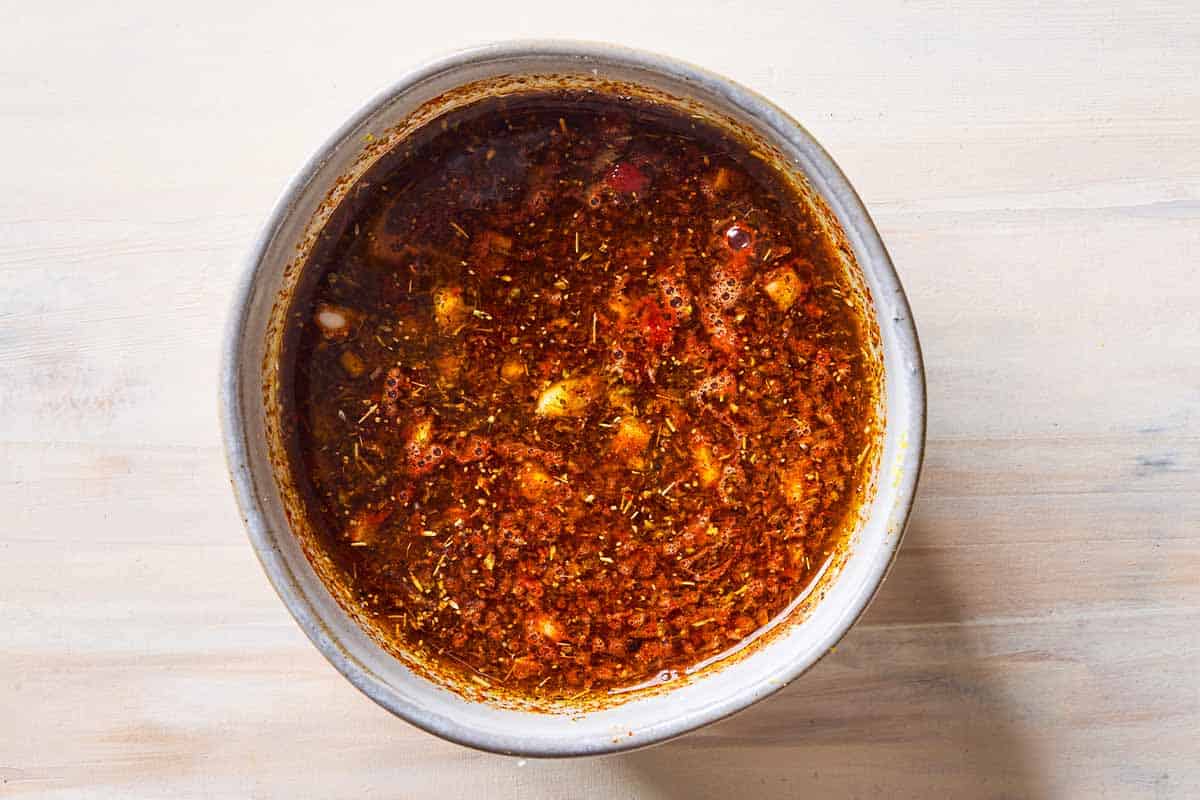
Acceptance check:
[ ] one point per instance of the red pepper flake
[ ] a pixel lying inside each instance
(627, 178)
(657, 323)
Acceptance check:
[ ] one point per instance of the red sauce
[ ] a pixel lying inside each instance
(578, 400)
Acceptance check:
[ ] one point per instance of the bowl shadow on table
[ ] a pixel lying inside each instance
(906, 705)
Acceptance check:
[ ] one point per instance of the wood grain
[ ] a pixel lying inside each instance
(1036, 175)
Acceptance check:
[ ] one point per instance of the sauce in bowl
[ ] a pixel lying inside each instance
(580, 400)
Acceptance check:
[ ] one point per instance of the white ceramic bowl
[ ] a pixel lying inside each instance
(248, 406)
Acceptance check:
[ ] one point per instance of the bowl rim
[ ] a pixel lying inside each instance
(853, 214)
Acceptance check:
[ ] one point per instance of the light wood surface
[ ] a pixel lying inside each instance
(1035, 172)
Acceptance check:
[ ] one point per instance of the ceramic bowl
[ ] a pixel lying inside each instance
(250, 406)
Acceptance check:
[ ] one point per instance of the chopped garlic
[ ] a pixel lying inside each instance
(567, 398)
(449, 309)
(784, 287)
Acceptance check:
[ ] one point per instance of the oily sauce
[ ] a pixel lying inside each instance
(578, 399)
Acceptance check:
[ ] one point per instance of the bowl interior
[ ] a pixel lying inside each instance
(250, 406)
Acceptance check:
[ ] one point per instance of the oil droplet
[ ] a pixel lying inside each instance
(737, 237)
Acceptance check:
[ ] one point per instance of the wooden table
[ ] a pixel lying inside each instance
(1036, 174)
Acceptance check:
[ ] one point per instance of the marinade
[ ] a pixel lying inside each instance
(579, 398)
